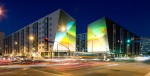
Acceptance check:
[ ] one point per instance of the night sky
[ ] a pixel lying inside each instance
(134, 15)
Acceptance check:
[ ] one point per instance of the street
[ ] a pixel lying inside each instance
(77, 68)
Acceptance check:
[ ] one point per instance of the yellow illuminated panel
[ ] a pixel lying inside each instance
(97, 36)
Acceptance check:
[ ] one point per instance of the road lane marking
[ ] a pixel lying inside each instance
(148, 74)
(6, 72)
(112, 64)
(38, 65)
(24, 68)
(46, 72)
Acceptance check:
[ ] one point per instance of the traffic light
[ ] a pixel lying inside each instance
(46, 43)
(128, 41)
(46, 39)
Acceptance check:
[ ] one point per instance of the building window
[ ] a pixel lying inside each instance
(50, 24)
(43, 22)
(42, 27)
(50, 18)
(43, 37)
(50, 29)
(39, 32)
(39, 28)
(39, 23)
(42, 32)
(50, 35)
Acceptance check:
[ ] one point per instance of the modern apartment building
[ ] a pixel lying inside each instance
(58, 28)
(2, 35)
(106, 36)
(81, 42)
(145, 45)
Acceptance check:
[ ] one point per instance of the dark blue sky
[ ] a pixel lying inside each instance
(134, 15)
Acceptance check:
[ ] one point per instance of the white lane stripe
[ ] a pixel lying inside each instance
(38, 65)
(112, 64)
(46, 72)
(6, 72)
(148, 74)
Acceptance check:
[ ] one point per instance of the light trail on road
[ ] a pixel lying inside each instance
(36, 65)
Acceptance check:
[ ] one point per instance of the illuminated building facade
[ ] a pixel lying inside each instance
(58, 27)
(81, 42)
(145, 45)
(105, 36)
(2, 35)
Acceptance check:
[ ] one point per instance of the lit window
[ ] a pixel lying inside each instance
(50, 35)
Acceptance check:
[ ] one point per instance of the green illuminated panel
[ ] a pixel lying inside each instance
(66, 39)
(97, 36)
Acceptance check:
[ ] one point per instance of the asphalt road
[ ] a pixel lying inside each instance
(80, 69)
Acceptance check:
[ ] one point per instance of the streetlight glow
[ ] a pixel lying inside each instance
(16, 43)
(63, 29)
(2, 11)
(31, 38)
(128, 41)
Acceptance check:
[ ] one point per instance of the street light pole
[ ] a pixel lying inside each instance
(68, 43)
(64, 29)
(92, 44)
(31, 38)
(16, 46)
(57, 51)
(92, 41)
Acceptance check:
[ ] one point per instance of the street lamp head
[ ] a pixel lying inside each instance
(128, 41)
(1, 11)
(63, 29)
(16, 43)
(33, 49)
(31, 38)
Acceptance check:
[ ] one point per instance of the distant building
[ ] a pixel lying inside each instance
(81, 42)
(57, 27)
(106, 36)
(2, 35)
(145, 45)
